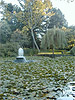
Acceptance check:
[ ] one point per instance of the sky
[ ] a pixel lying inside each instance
(68, 9)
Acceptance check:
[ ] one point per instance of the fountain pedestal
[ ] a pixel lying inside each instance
(20, 59)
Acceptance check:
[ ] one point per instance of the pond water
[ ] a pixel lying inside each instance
(41, 80)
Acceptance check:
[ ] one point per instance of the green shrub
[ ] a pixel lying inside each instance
(30, 52)
(11, 49)
(8, 49)
(72, 51)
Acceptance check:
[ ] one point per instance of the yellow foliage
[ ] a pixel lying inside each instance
(71, 40)
(43, 13)
(63, 28)
(14, 12)
(68, 30)
(48, 4)
(73, 45)
(50, 53)
(40, 7)
(25, 28)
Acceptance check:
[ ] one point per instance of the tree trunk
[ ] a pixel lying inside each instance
(31, 25)
(34, 40)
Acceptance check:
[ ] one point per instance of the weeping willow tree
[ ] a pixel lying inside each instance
(54, 38)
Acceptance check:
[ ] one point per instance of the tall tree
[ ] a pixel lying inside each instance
(10, 17)
(5, 32)
(22, 39)
(54, 38)
(58, 19)
(29, 17)
(9, 12)
(32, 15)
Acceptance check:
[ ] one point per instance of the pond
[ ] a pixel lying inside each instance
(41, 80)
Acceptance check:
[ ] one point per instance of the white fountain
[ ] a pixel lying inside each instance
(20, 57)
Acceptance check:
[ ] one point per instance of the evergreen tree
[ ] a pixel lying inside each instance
(58, 19)
(5, 32)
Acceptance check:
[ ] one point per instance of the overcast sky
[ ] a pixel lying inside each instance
(68, 9)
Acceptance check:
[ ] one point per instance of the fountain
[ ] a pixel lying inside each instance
(20, 57)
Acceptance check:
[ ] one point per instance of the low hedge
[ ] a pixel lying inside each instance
(11, 49)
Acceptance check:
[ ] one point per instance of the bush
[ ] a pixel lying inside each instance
(30, 52)
(11, 49)
(8, 49)
(72, 51)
